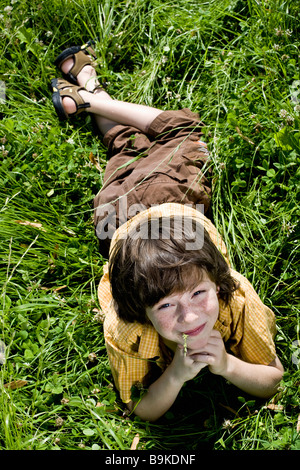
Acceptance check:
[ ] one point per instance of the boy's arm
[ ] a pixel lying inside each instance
(159, 398)
(163, 392)
(256, 379)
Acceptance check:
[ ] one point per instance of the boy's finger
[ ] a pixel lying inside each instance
(200, 357)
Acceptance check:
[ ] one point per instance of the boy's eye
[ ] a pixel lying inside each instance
(163, 306)
(198, 292)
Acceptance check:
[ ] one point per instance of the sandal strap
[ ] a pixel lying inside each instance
(81, 59)
(66, 89)
(98, 87)
(82, 55)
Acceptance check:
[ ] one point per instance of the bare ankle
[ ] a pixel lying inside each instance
(86, 78)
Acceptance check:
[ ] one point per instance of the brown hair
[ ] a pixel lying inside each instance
(150, 264)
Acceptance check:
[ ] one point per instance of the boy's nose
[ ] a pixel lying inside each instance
(187, 315)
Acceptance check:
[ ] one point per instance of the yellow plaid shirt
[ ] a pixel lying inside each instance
(247, 326)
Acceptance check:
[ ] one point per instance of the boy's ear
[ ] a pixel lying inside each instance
(218, 289)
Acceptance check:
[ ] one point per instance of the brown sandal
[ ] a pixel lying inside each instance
(82, 55)
(62, 88)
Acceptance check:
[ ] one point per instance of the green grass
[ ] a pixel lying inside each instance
(237, 64)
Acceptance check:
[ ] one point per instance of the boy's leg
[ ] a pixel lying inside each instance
(128, 114)
(87, 78)
(108, 112)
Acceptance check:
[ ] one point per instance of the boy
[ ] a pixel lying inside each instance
(172, 304)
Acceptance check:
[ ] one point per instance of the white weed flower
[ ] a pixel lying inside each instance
(59, 422)
(92, 357)
(283, 113)
(226, 424)
(290, 120)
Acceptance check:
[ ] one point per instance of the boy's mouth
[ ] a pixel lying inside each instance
(195, 331)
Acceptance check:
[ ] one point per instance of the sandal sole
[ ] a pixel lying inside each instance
(57, 101)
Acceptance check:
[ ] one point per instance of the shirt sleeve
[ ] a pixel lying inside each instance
(127, 370)
(133, 352)
(253, 325)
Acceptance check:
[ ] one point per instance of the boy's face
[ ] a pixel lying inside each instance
(193, 313)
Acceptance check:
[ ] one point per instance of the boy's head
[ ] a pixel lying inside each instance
(160, 257)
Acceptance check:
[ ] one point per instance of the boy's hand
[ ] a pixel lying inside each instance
(185, 367)
(213, 354)
(258, 380)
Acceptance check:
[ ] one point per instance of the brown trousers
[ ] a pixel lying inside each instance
(169, 164)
